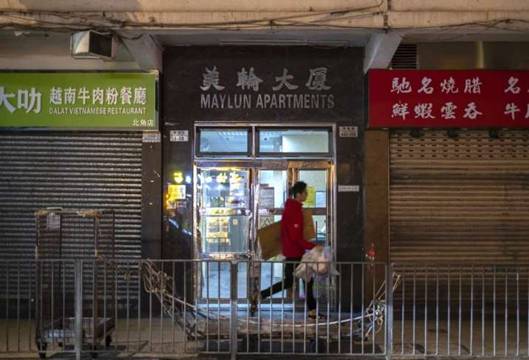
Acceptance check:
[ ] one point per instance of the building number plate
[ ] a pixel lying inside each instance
(179, 135)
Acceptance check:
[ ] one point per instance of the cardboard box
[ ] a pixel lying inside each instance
(269, 237)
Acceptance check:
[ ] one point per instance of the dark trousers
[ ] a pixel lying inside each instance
(288, 281)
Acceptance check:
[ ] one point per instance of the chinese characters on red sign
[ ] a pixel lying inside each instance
(442, 98)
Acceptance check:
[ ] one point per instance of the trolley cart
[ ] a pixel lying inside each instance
(64, 238)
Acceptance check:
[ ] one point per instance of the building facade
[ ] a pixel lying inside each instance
(250, 73)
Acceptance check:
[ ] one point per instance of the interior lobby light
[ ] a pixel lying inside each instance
(178, 177)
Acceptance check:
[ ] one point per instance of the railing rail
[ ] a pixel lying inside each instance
(171, 307)
(462, 310)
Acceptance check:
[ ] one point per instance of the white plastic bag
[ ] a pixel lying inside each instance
(328, 257)
(316, 262)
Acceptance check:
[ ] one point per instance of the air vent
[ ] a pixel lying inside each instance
(405, 57)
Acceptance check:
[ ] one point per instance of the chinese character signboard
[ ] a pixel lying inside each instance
(263, 83)
(465, 99)
(318, 91)
(78, 100)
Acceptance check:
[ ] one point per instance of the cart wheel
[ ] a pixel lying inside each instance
(108, 341)
(42, 346)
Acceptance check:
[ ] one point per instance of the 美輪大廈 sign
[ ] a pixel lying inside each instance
(257, 83)
(125, 101)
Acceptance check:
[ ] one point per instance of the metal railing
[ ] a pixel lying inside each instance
(171, 307)
(461, 311)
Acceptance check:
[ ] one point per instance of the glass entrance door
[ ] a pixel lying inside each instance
(318, 200)
(273, 185)
(224, 211)
(231, 201)
(224, 218)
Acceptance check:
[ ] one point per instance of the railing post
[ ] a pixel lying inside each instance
(389, 310)
(78, 276)
(233, 315)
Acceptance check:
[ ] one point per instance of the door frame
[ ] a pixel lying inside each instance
(254, 162)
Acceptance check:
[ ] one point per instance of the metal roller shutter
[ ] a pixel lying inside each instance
(463, 199)
(69, 170)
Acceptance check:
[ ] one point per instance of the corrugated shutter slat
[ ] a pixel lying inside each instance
(463, 199)
(101, 170)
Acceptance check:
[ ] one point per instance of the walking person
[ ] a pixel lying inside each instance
(294, 246)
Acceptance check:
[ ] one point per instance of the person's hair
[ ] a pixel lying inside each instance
(298, 187)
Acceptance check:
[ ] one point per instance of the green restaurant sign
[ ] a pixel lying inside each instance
(64, 100)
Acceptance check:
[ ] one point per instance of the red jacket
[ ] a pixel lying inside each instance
(294, 245)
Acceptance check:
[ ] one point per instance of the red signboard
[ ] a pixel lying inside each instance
(449, 99)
